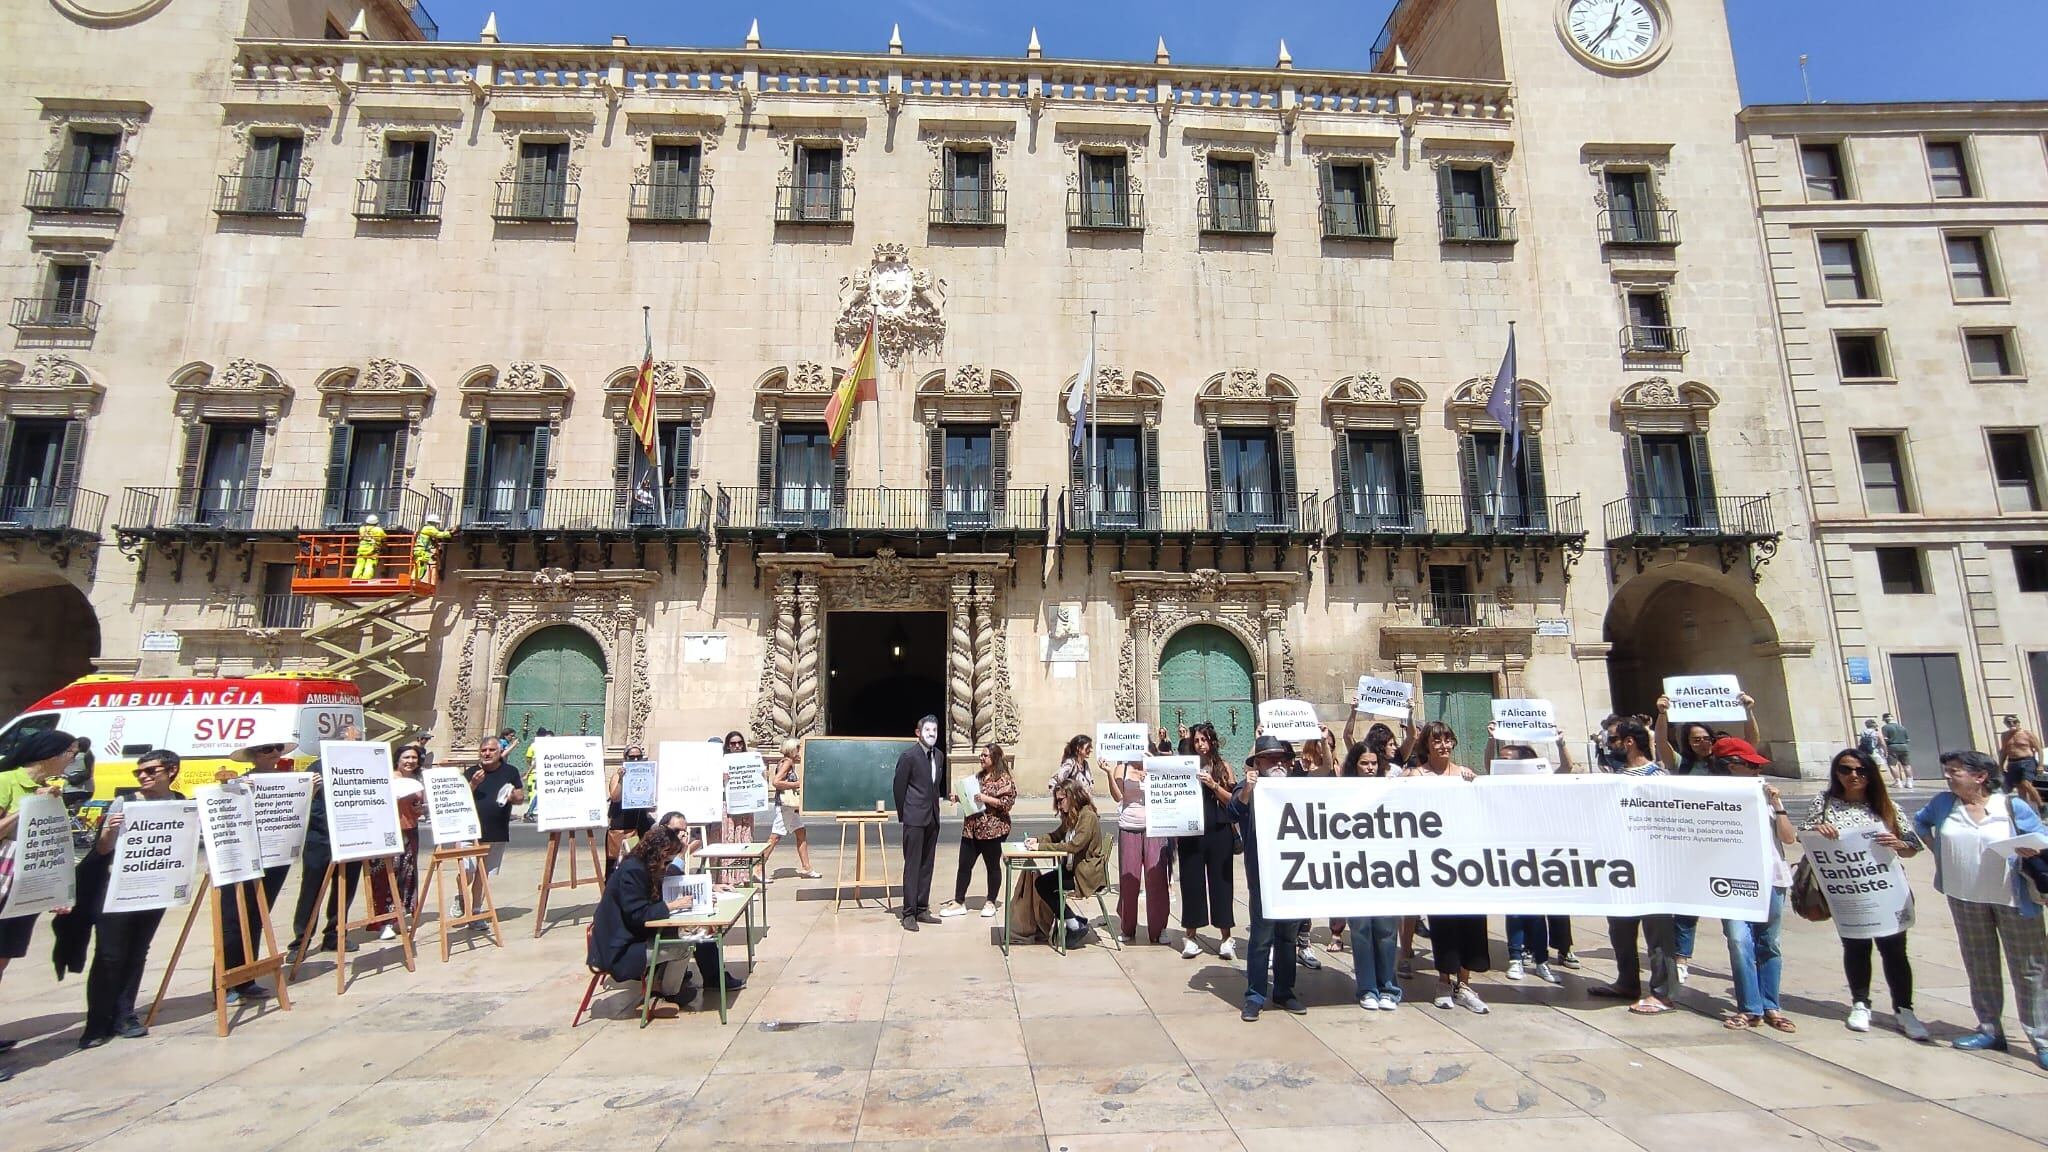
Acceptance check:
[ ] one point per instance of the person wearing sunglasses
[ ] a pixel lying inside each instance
(121, 939)
(1857, 798)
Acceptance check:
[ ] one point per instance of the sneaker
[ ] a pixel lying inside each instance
(1370, 1001)
(1469, 1000)
(390, 932)
(1306, 956)
(234, 997)
(810, 874)
(1515, 969)
(1076, 927)
(1859, 1018)
(1294, 1005)
(1443, 1001)
(1568, 958)
(927, 918)
(1229, 949)
(89, 1042)
(1545, 974)
(1189, 949)
(458, 908)
(1684, 973)
(1390, 1003)
(953, 908)
(1251, 1012)
(988, 910)
(131, 1029)
(1910, 1025)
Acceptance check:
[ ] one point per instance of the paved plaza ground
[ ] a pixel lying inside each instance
(853, 1032)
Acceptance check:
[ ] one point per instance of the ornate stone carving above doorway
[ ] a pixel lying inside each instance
(1252, 606)
(506, 607)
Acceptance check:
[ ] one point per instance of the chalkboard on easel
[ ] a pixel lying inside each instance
(846, 774)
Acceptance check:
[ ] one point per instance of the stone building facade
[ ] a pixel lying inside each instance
(382, 273)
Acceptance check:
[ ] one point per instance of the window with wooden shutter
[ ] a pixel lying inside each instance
(537, 491)
(818, 175)
(1078, 507)
(1639, 482)
(473, 474)
(404, 182)
(627, 505)
(70, 289)
(339, 440)
(673, 181)
(252, 477)
(839, 482)
(999, 474)
(1290, 492)
(70, 456)
(764, 475)
(91, 162)
(541, 189)
(394, 485)
(1212, 446)
(190, 461)
(1470, 483)
(1149, 441)
(1411, 465)
(1534, 486)
(1709, 515)
(935, 471)
(682, 438)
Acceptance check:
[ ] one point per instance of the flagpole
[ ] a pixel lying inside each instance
(1500, 458)
(660, 473)
(1094, 425)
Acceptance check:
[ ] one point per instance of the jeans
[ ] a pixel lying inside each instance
(1273, 946)
(1755, 960)
(1373, 944)
(1688, 930)
(1529, 936)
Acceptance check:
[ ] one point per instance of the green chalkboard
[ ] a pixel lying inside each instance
(845, 774)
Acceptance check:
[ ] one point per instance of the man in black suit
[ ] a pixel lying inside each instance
(920, 783)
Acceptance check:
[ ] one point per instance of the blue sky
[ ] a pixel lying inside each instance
(1858, 49)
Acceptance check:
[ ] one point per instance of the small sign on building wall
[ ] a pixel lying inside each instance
(162, 642)
(1859, 669)
(1553, 626)
(1071, 649)
(703, 647)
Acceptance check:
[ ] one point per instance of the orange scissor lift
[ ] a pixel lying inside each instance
(366, 636)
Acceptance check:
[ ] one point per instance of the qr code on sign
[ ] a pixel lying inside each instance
(180, 891)
(391, 839)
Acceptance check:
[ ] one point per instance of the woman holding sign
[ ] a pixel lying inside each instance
(411, 795)
(982, 833)
(122, 946)
(33, 765)
(1139, 858)
(1207, 873)
(734, 829)
(1856, 801)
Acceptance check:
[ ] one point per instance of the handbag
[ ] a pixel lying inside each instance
(1808, 898)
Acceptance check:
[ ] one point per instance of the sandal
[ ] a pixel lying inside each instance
(1650, 1006)
(1780, 1021)
(1738, 1021)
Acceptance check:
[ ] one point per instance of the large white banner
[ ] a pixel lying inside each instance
(362, 813)
(284, 801)
(451, 807)
(1556, 845)
(156, 857)
(1705, 698)
(746, 783)
(1173, 796)
(568, 771)
(691, 780)
(227, 826)
(45, 878)
(1117, 743)
(1868, 895)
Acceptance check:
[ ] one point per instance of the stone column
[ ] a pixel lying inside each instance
(960, 692)
(772, 712)
(984, 661)
(1275, 680)
(807, 705)
(1143, 671)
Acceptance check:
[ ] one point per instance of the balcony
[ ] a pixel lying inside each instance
(669, 202)
(1197, 513)
(589, 512)
(1358, 222)
(278, 611)
(1740, 527)
(55, 314)
(1106, 211)
(245, 512)
(804, 204)
(1017, 513)
(76, 193)
(1639, 228)
(1477, 225)
(1655, 341)
(968, 207)
(40, 510)
(276, 197)
(536, 202)
(378, 198)
(1235, 215)
(1365, 516)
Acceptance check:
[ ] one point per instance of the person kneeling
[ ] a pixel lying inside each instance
(1083, 873)
(619, 935)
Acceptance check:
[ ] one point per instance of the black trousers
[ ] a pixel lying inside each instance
(990, 853)
(920, 850)
(1206, 879)
(236, 932)
(115, 979)
(1898, 971)
(1050, 883)
(1662, 937)
(312, 867)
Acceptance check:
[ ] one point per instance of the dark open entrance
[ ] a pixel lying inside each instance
(884, 671)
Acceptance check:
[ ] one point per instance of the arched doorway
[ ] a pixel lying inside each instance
(1684, 620)
(555, 681)
(51, 636)
(1206, 674)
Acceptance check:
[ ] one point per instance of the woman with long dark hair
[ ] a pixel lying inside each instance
(1688, 751)
(1076, 763)
(983, 833)
(411, 794)
(1457, 942)
(1856, 799)
(1207, 873)
(619, 932)
(735, 829)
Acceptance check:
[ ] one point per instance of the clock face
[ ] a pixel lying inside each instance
(1615, 32)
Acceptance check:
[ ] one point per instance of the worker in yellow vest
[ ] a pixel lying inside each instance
(369, 542)
(426, 548)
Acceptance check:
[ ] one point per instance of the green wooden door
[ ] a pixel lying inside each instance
(1464, 700)
(556, 682)
(1205, 674)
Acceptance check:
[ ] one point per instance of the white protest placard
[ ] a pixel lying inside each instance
(156, 856)
(1378, 697)
(1292, 720)
(1121, 743)
(1529, 767)
(1173, 796)
(691, 780)
(568, 774)
(1533, 845)
(362, 813)
(968, 789)
(227, 827)
(451, 807)
(1524, 721)
(1868, 894)
(44, 870)
(746, 783)
(1704, 698)
(283, 801)
(636, 784)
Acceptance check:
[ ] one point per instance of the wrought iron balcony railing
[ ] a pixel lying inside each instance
(1642, 227)
(1112, 211)
(598, 511)
(1463, 610)
(83, 193)
(1240, 215)
(969, 207)
(915, 511)
(1477, 225)
(279, 610)
(1363, 513)
(1678, 517)
(45, 508)
(1653, 340)
(536, 201)
(397, 198)
(1134, 512)
(282, 197)
(808, 204)
(240, 509)
(670, 202)
(55, 313)
(1360, 221)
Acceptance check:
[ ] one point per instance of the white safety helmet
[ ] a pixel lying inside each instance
(370, 521)
(433, 517)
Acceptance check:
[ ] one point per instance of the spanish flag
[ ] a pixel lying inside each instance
(857, 385)
(640, 409)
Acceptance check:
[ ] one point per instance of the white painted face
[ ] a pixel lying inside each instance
(928, 734)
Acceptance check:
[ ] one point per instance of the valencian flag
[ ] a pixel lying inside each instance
(640, 409)
(857, 385)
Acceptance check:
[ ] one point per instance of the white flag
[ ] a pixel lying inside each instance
(1077, 400)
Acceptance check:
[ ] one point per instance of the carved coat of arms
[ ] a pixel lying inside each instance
(906, 303)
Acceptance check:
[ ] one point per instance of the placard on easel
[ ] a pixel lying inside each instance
(548, 883)
(483, 908)
(336, 879)
(267, 961)
(860, 823)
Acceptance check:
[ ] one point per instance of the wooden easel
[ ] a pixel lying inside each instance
(548, 883)
(263, 962)
(860, 823)
(336, 878)
(460, 860)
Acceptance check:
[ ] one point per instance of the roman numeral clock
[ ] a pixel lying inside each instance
(1615, 35)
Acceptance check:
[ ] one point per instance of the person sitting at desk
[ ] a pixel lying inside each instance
(619, 934)
(1083, 873)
